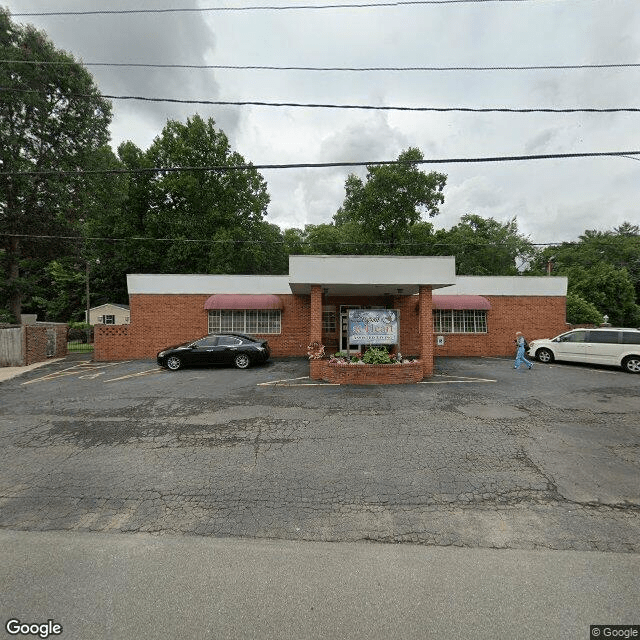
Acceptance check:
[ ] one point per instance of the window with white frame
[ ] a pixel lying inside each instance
(459, 321)
(329, 324)
(245, 320)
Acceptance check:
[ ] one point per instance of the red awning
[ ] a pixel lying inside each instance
(243, 301)
(461, 302)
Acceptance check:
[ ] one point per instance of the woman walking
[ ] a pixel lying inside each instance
(522, 344)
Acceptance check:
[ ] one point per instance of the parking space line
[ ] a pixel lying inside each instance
(73, 371)
(293, 382)
(148, 372)
(465, 379)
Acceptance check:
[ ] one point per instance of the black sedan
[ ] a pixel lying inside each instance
(219, 348)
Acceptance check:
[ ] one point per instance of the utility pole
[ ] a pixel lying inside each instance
(550, 264)
(87, 319)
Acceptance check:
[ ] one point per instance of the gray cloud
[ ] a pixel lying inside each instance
(552, 200)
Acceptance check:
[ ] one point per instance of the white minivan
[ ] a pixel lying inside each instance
(605, 345)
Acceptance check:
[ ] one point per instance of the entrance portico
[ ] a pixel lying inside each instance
(374, 281)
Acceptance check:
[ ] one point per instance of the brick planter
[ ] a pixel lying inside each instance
(407, 373)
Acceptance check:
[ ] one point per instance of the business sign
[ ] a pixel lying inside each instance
(373, 326)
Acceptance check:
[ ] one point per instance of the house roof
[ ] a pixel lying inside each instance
(110, 304)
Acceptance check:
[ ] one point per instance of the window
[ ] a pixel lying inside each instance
(631, 337)
(329, 319)
(109, 319)
(244, 321)
(207, 342)
(603, 337)
(463, 321)
(229, 341)
(576, 336)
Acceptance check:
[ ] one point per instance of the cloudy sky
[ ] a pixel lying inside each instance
(553, 200)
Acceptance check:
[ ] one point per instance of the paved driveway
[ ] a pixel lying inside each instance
(480, 455)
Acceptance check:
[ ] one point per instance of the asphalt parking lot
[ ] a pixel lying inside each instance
(477, 456)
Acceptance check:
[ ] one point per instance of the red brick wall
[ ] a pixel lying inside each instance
(158, 321)
(36, 338)
(370, 373)
(536, 317)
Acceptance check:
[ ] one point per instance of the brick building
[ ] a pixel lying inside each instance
(438, 313)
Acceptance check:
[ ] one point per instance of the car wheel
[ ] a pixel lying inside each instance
(174, 363)
(632, 364)
(544, 355)
(242, 361)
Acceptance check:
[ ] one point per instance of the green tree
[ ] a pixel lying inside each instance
(294, 241)
(609, 289)
(619, 248)
(52, 118)
(383, 209)
(325, 239)
(603, 267)
(485, 247)
(222, 210)
(421, 240)
(64, 298)
(579, 311)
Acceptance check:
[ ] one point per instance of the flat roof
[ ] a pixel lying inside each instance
(508, 286)
(353, 275)
(206, 284)
(370, 275)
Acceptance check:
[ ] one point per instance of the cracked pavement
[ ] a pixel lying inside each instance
(480, 456)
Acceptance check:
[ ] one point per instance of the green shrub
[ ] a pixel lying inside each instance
(376, 355)
(579, 311)
(80, 332)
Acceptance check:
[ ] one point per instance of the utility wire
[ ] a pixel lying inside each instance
(551, 67)
(311, 105)
(475, 244)
(318, 165)
(297, 7)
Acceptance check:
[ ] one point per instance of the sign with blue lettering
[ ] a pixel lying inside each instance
(373, 326)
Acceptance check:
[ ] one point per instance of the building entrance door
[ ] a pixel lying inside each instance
(345, 347)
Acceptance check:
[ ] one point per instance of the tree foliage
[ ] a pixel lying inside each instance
(609, 289)
(200, 221)
(579, 311)
(485, 247)
(603, 268)
(52, 117)
(382, 210)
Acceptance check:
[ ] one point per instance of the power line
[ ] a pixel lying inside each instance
(550, 67)
(319, 165)
(298, 7)
(367, 107)
(271, 242)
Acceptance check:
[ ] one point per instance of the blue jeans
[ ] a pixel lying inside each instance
(520, 359)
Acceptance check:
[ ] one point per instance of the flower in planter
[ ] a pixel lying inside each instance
(315, 351)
